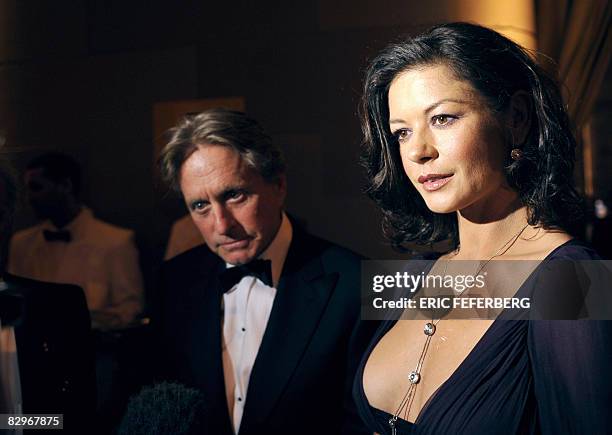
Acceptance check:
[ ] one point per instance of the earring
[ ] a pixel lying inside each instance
(516, 154)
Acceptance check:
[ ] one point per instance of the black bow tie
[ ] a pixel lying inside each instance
(260, 269)
(57, 236)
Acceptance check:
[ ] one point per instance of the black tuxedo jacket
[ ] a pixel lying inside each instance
(301, 378)
(55, 351)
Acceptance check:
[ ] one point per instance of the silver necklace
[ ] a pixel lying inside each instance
(429, 329)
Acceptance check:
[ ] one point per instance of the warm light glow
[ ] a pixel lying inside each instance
(513, 19)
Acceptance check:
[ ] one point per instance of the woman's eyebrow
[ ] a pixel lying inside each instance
(432, 107)
(444, 100)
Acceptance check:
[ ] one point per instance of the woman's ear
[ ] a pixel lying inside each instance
(518, 118)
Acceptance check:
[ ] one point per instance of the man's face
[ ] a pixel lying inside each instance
(235, 209)
(45, 195)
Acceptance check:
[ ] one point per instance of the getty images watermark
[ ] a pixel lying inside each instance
(423, 289)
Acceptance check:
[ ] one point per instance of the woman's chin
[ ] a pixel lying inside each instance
(441, 208)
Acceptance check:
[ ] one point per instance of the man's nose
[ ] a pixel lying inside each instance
(224, 220)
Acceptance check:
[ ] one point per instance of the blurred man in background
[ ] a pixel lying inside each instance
(71, 246)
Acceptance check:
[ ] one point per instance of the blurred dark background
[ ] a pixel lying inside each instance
(82, 76)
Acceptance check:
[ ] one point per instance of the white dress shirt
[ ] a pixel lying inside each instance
(247, 308)
(100, 258)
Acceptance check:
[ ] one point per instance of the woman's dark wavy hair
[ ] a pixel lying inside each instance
(497, 68)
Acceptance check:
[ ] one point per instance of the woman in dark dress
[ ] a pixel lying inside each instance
(467, 139)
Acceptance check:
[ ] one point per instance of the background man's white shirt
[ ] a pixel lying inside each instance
(101, 258)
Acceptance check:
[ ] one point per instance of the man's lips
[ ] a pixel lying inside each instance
(235, 244)
(433, 182)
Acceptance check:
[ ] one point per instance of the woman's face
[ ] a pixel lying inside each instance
(452, 147)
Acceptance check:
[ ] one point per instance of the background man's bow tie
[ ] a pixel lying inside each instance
(57, 236)
(261, 269)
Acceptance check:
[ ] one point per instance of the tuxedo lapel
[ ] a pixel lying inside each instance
(303, 293)
(204, 342)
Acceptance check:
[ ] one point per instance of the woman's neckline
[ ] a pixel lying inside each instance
(572, 241)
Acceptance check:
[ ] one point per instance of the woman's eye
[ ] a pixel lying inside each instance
(442, 120)
(402, 134)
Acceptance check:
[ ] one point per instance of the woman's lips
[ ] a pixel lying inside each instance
(432, 182)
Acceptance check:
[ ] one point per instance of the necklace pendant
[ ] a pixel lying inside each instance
(414, 377)
(392, 425)
(429, 329)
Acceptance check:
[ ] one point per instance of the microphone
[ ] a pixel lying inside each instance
(164, 408)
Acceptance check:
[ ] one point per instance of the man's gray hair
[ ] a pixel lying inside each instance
(226, 128)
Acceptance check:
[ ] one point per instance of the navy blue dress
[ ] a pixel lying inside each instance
(522, 377)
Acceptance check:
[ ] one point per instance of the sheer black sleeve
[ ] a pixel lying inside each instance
(571, 362)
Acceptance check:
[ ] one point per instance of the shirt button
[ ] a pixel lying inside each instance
(243, 329)
(240, 399)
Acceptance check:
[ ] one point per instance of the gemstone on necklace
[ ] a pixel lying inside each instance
(429, 328)
(414, 377)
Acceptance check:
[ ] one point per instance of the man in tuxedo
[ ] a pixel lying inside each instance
(70, 245)
(263, 318)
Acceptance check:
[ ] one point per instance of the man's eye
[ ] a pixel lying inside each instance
(198, 205)
(236, 196)
(442, 120)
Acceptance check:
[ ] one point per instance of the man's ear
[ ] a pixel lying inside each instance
(518, 118)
